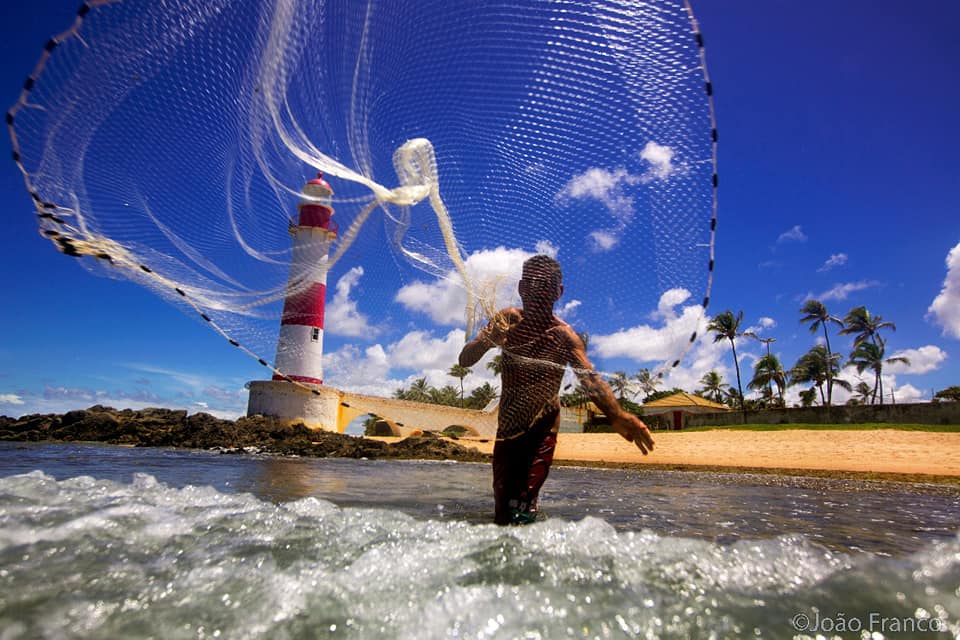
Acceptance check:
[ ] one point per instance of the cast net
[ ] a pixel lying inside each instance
(170, 142)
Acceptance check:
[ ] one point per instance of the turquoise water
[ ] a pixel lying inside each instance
(100, 542)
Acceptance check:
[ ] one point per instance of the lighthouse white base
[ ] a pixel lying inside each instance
(293, 403)
(300, 353)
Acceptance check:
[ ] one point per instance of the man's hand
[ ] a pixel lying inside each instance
(496, 333)
(632, 429)
(500, 325)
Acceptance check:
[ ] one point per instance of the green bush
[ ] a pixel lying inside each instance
(597, 425)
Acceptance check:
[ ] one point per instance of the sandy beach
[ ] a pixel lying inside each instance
(885, 451)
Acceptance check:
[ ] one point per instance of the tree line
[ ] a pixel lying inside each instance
(449, 395)
(820, 368)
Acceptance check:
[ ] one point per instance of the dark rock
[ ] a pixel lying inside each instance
(154, 427)
(431, 447)
(99, 426)
(31, 427)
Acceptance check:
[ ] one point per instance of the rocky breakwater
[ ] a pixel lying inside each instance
(172, 428)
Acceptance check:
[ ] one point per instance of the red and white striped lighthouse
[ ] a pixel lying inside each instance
(300, 346)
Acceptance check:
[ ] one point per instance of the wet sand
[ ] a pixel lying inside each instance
(875, 453)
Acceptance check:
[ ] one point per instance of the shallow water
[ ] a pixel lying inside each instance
(115, 542)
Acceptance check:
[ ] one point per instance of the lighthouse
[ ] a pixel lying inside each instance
(296, 394)
(300, 345)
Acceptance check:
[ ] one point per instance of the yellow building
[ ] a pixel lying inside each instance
(680, 404)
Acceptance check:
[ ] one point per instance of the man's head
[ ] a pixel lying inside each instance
(541, 283)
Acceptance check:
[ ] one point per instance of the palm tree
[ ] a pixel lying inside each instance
(576, 398)
(864, 392)
(765, 341)
(869, 355)
(446, 395)
(766, 371)
(496, 364)
(818, 366)
(815, 312)
(419, 391)
(482, 395)
(808, 397)
(865, 326)
(713, 384)
(618, 383)
(459, 372)
(647, 381)
(733, 398)
(726, 326)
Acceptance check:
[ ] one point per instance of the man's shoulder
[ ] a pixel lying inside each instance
(565, 329)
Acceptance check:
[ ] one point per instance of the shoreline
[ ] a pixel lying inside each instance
(881, 454)
(917, 479)
(918, 457)
(924, 482)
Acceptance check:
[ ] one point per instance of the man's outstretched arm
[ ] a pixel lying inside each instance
(625, 423)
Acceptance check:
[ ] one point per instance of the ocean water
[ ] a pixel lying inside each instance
(112, 542)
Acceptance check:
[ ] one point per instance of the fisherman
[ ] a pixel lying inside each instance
(536, 349)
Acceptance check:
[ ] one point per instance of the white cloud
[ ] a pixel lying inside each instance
(366, 371)
(495, 272)
(767, 323)
(374, 371)
(601, 240)
(922, 360)
(598, 184)
(645, 343)
(906, 393)
(547, 248)
(61, 399)
(608, 186)
(226, 398)
(668, 300)
(840, 291)
(835, 260)
(660, 158)
(341, 316)
(945, 309)
(184, 378)
(420, 350)
(72, 393)
(568, 310)
(795, 234)
(900, 393)
(848, 373)
(705, 356)
(10, 398)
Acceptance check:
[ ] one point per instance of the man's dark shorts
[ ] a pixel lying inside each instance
(520, 467)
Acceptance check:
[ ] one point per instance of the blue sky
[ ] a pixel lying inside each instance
(838, 143)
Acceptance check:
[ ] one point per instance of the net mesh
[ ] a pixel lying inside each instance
(170, 143)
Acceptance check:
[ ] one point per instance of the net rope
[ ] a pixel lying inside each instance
(169, 143)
